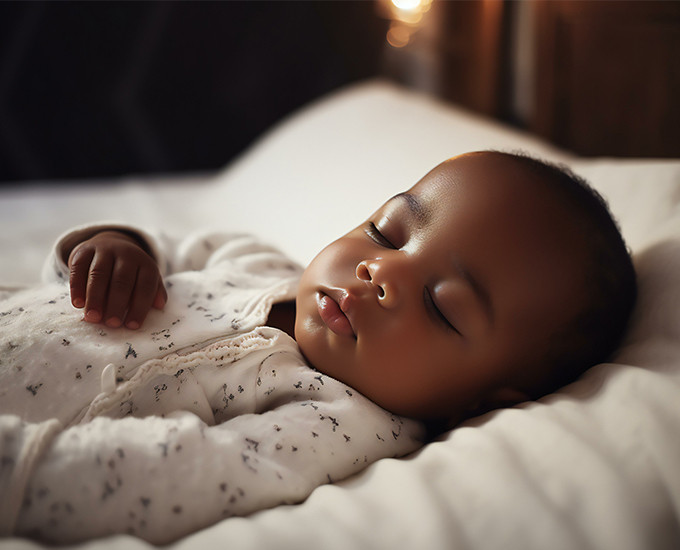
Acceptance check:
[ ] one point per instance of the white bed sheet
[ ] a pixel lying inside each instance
(596, 465)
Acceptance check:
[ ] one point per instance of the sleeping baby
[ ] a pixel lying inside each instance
(212, 377)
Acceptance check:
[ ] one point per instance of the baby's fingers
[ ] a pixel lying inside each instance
(98, 279)
(79, 269)
(144, 297)
(161, 297)
(120, 292)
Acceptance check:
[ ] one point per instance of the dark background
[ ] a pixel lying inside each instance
(98, 89)
(101, 89)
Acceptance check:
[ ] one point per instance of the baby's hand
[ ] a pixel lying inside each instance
(115, 280)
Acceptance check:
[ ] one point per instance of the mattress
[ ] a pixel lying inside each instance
(594, 465)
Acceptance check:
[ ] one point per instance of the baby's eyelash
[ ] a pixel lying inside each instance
(435, 311)
(374, 233)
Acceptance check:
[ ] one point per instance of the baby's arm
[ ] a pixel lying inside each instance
(115, 280)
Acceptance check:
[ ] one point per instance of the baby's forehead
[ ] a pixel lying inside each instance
(486, 199)
(493, 184)
(485, 169)
(476, 183)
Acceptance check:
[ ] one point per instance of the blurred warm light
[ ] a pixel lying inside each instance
(409, 11)
(398, 36)
(406, 15)
(407, 4)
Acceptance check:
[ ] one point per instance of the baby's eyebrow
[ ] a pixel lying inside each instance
(419, 211)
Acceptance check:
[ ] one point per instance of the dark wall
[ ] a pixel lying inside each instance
(100, 89)
(608, 77)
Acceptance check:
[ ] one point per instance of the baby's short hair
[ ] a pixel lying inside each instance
(611, 290)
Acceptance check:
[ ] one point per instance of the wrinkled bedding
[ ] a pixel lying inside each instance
(594, 465)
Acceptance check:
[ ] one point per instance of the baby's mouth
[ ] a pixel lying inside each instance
(332, 316)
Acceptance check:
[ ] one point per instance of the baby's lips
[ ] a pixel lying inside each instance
(348, 301)
(333, 316)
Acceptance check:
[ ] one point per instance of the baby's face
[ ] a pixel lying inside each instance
(446, 295)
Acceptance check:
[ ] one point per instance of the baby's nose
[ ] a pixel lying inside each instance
(373, 273)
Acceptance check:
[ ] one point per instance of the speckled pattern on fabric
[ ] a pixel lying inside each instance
(202, 414)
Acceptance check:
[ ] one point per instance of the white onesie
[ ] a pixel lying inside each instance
(202, 414)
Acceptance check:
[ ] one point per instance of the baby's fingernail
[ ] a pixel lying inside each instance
(78, 302)
(133, 325)
(113, 322)
(93, 316)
